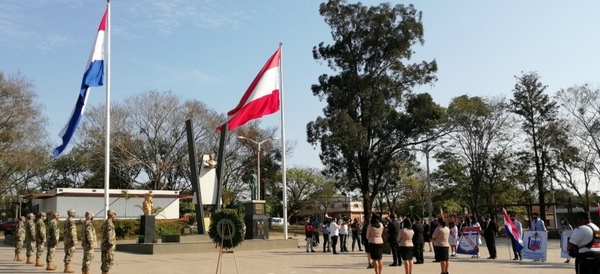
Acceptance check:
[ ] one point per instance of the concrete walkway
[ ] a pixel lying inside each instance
(295, 260)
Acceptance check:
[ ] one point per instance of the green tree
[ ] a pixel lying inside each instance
(537, 112)
(303, 187)
(480, 140)
(371, 113)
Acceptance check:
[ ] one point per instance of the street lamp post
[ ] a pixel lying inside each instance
(411, 207)
(428, 183)
(257, 160)
(426, 149)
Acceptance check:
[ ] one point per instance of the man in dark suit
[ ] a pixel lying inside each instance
(489, 234)
(418, 240)
(393, 228)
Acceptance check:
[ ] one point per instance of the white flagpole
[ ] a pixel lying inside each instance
(283, 168)
(107, 137)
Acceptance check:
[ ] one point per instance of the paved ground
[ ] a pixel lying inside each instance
(295, 261)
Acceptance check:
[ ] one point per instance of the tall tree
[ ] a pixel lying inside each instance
(480, 140)
(537, 112)
(149, 144)
(23, 150)
(371, 113)
(582, 105)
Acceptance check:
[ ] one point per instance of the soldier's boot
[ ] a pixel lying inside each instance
(29, 260)
(68, 269)
(38, 262)
(19, 258)
(51, 266)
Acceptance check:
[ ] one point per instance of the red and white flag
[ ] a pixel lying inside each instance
(262, 96)
(441, 213)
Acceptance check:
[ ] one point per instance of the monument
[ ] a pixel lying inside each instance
(147, 221)
(257, 223)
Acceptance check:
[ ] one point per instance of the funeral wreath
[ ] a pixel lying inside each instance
(226, 228)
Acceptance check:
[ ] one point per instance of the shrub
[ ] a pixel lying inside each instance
(126, 229)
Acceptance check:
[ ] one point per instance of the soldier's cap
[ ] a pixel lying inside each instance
(112, 212)
(71, 211)
(30, 215)
(42, 214)
(55, 213)
(89, 213)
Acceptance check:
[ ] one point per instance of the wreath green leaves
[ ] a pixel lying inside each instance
(226, 227)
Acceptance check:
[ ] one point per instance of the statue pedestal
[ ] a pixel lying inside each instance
(147, 229)
(257, 223)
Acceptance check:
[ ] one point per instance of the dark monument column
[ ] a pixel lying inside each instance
(257, 223)
(147, 229)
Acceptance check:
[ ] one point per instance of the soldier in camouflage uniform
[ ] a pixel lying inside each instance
(88, 242)
(109, 242)
(19, 238)
(30, 237)
(52, 240)
(40, 238)
(70, 240)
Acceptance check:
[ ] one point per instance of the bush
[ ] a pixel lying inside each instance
(129, 228)
(125, 229)
(169, 227)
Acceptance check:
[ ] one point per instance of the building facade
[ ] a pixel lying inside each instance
(126, 203)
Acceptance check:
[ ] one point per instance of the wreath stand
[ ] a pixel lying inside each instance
(226, 230)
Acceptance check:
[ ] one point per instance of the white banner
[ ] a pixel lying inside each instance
(535, 245)
(469, 241)
(564, 242)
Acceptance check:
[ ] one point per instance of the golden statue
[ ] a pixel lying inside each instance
(148, 205)
(211, 162)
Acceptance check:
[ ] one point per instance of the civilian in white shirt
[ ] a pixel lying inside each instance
(587, 259)
(536, 223)
(343, 235)
(334, 233)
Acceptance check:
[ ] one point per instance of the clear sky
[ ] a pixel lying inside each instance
(211, 50)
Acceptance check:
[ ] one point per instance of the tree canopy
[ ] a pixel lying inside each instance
(371, 112)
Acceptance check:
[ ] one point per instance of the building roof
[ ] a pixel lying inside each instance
(91, 192)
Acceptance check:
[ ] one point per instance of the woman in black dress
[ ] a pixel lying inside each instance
(426, 234)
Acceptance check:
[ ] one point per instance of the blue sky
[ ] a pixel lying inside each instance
(211, 50)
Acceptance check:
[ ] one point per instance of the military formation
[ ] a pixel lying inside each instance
(39, 236)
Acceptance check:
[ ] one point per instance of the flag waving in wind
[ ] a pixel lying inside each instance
(512, 232)
(93, 77)
(262, 96)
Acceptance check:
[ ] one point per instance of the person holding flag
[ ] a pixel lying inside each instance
(514, 230)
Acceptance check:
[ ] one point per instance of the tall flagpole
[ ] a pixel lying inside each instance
(283, 171)
(107, 137)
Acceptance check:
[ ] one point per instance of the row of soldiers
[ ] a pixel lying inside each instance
(35, 235)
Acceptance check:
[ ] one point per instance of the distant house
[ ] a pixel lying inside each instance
(338, 206)
(126, 203)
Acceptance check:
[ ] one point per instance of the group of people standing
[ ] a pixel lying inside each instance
(407, 237)
(37, 235)
(334, 231)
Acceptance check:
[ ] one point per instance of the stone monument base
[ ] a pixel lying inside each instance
(257, 223)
